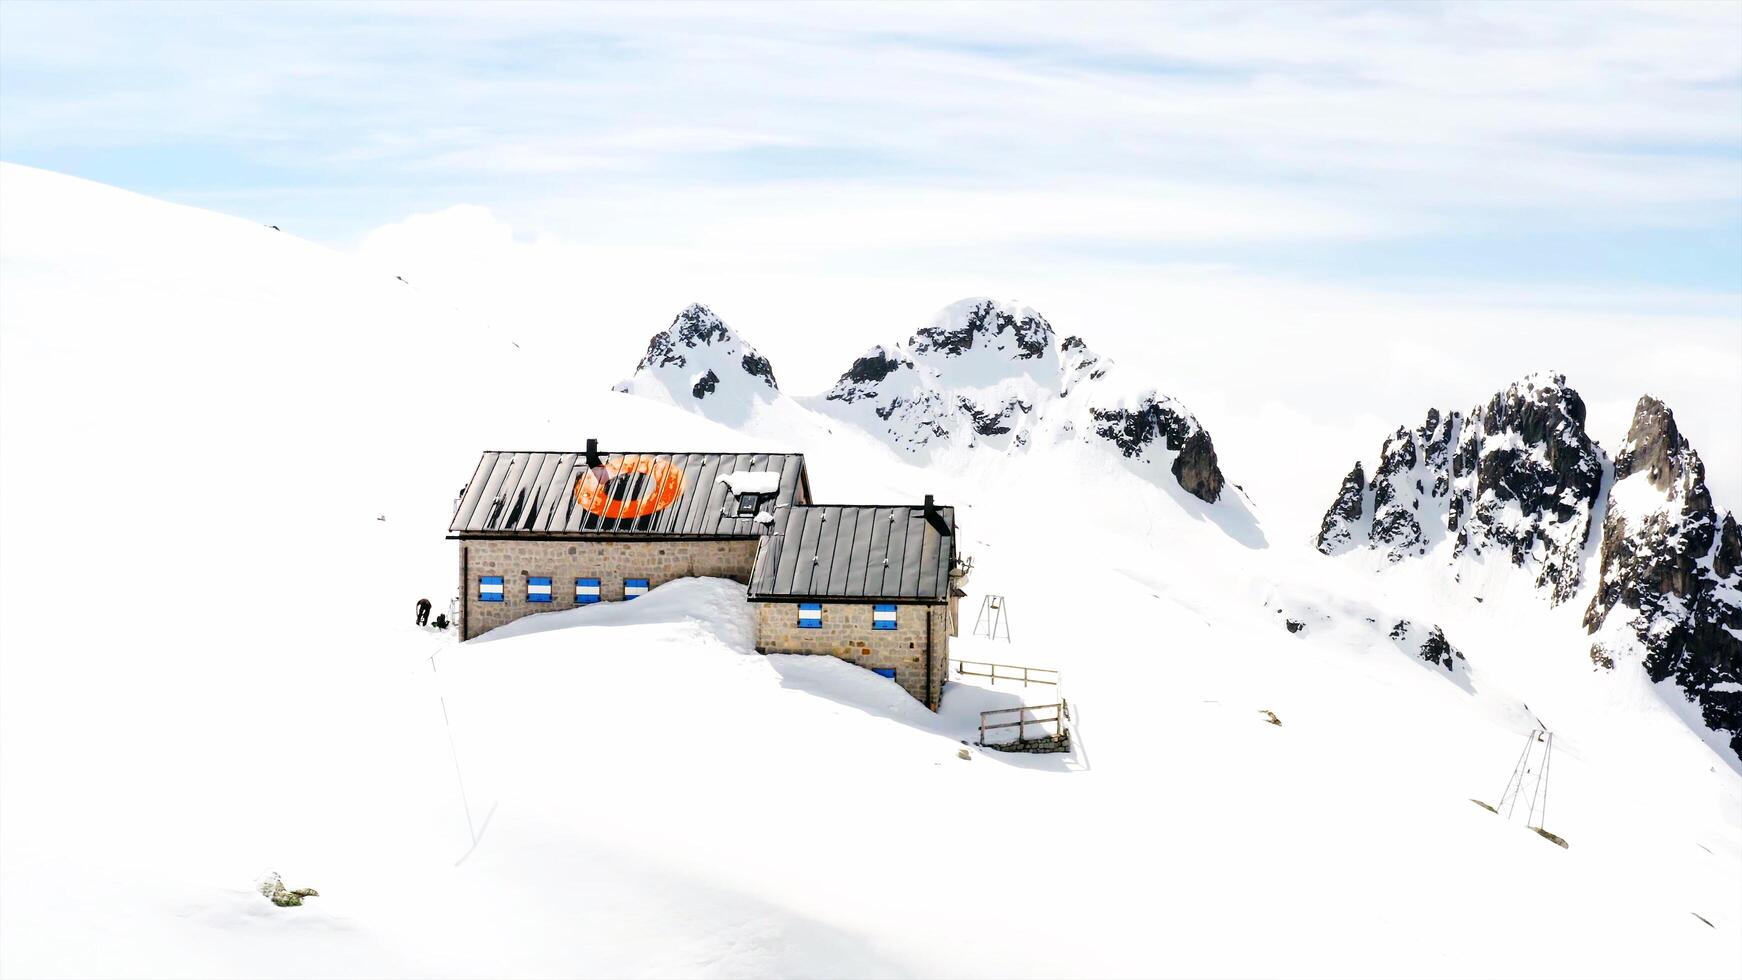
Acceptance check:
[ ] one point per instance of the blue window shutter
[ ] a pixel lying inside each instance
(882, 617)
(633, 587)
(888, 672)
(489, 588)
(538, 588)
(586, 591)
(810, 615)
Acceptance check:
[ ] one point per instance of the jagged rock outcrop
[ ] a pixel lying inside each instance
(1669, 591)
(990, 375)
(1134, 430)
(1344, 522)
(700, 364)
(1531, 457)
(1518, 477)
(1428, 643)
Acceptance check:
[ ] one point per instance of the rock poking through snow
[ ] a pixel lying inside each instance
(272, 887)
(698, 363)
(1342, 528)
(990, 375)
(1428, 643)
(1517, 477)
(1669, 594)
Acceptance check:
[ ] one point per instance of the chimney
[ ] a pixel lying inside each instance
(593, 460)
(935, 519)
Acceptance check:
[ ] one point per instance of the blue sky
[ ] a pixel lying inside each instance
(1560, 144)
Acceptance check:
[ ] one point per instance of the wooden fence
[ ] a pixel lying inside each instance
(1027, 675)
(1059, 719)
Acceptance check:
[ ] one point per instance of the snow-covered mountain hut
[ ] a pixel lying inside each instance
(544, 531)
(552, 530)
(868, 584)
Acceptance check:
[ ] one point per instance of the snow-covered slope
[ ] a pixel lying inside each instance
(226, 463)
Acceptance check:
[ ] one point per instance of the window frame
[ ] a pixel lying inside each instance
(818, 618)
(888, 607)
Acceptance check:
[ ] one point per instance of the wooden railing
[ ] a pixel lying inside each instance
(1027, 675)
(1059, 720)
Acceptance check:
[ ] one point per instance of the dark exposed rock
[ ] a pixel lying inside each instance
(661, 352)
(694, 326)
(699, 354)
(1021, 383)
(867, 370)
(1029, 336)
(1535, 455)
(1195, 467)
(1470, 479)
(1668, 582)
(1294, 625)
(1435, 649)
(989, 423)
(1343, 519)
(1728, 558)
(757, 366)
(1394, 520)
(1133, 430)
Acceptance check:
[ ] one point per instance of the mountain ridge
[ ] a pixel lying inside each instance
(1520, 476)
(980, 375)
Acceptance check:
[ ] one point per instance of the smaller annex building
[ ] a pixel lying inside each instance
(872, 585)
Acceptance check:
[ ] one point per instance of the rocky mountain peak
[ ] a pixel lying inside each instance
(1343, 527)
(1135, 425)
(981, 323)
(1669, 592)
(1516, 474)
(1519, 477)
(989, 375)
(697, 360)
(1079, 364)
(1656, 446)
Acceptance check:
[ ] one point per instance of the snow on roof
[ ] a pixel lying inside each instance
(751, 481)
(657, 494)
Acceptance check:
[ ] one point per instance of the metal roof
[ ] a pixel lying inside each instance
(643, 494)
(848, 552)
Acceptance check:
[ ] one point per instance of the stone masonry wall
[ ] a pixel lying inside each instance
(564, 561)
(846, 633)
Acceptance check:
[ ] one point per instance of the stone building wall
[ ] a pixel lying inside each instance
(846, 633)
(566, 560)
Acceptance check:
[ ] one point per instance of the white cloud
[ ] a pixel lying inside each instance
(827, 175)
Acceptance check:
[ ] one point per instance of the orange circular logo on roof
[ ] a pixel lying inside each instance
(632, 488)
